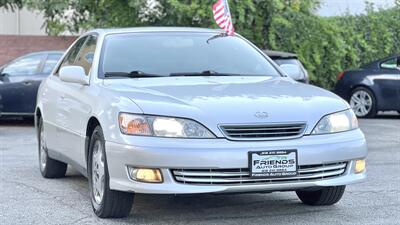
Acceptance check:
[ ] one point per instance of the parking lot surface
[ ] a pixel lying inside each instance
(27, 198)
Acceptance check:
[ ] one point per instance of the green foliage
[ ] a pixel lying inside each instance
(325, 45)
(11, 4)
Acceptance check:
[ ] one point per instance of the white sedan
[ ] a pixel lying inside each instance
(187, 110)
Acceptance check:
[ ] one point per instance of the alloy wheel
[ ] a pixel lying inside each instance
(98, 172)
(361, 103)
(43, 150)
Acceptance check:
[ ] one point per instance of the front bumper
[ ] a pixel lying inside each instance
(167, 154)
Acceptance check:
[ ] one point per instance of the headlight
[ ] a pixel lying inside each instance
(336, 122)
(160, 126)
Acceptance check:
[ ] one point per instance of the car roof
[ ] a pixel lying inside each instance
(46, 52)
(154, 29)
(280, 55)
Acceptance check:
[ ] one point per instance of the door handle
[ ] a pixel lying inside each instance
(27, 83)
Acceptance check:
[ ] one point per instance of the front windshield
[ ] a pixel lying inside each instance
(172, 53)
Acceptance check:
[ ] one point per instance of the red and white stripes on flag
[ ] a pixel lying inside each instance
(222, 16)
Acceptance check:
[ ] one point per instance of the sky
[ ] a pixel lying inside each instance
(339, 7)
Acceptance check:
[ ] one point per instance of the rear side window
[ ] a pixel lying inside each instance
(69, 59)
(389, 64)
(28, 65)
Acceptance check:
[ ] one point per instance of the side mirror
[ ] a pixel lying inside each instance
(3, 77)
(74, 74)
(293, 71)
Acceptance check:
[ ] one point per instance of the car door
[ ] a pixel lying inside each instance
(74, 109)
(54, 123)
(388, 82)
(21, 79)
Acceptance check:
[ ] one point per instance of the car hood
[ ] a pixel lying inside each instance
(230, 100)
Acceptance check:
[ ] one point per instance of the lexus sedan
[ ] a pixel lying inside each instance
(290, 64)
(190, 110)
(372, 88)
(20, 80)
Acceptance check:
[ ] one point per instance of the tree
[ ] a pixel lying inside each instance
(325, 45)
(11, 4)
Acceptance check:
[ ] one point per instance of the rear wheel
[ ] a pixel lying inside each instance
(49, 168)
(106, 203)
(363, 102)
(324, 196)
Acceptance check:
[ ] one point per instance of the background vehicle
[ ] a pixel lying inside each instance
(372, 88)
(290, 63)
(20, 80)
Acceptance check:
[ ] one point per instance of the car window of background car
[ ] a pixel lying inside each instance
(50, 63)
(85, 56)
(389, 64)
(27, 65)
(70, 57)
(182, 53)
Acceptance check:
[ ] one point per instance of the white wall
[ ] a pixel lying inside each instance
(354, 7)
(21, 22)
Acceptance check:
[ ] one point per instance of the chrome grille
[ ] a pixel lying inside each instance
(263, 131)
(242, 175)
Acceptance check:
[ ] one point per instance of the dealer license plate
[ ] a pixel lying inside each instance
(273, 164)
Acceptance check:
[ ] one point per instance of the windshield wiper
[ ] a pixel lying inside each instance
(132, 74)
(203, 73)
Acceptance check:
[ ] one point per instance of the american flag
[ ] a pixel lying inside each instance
(222, 16)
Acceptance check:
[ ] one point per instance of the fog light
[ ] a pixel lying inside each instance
(145, 175)
(360, 166)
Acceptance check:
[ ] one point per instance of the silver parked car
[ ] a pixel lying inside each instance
(186, 110)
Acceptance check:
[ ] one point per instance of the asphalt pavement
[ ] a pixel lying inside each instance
(27, 198)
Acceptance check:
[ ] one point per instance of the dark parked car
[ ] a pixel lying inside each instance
(20, 80)
(289, 63)
(372, 88)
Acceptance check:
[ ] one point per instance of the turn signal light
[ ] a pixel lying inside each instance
(145, 175)
(359, 166)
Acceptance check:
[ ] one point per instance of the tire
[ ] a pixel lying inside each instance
(324, 196)
(49, 168)
(368, 102)
(106, 203)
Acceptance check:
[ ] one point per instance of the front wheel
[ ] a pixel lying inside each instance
(106, 203)
(324, 196)
(49, 168)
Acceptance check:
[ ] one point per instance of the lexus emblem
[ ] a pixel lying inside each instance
(261, 115)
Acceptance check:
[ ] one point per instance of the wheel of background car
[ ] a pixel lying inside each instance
(49, 168)
(105, 202)
(363, 102)
(324, 196)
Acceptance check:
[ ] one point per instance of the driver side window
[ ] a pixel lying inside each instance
(69, 59)
(85, 56)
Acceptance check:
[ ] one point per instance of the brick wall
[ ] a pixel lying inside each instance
(12, 46)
